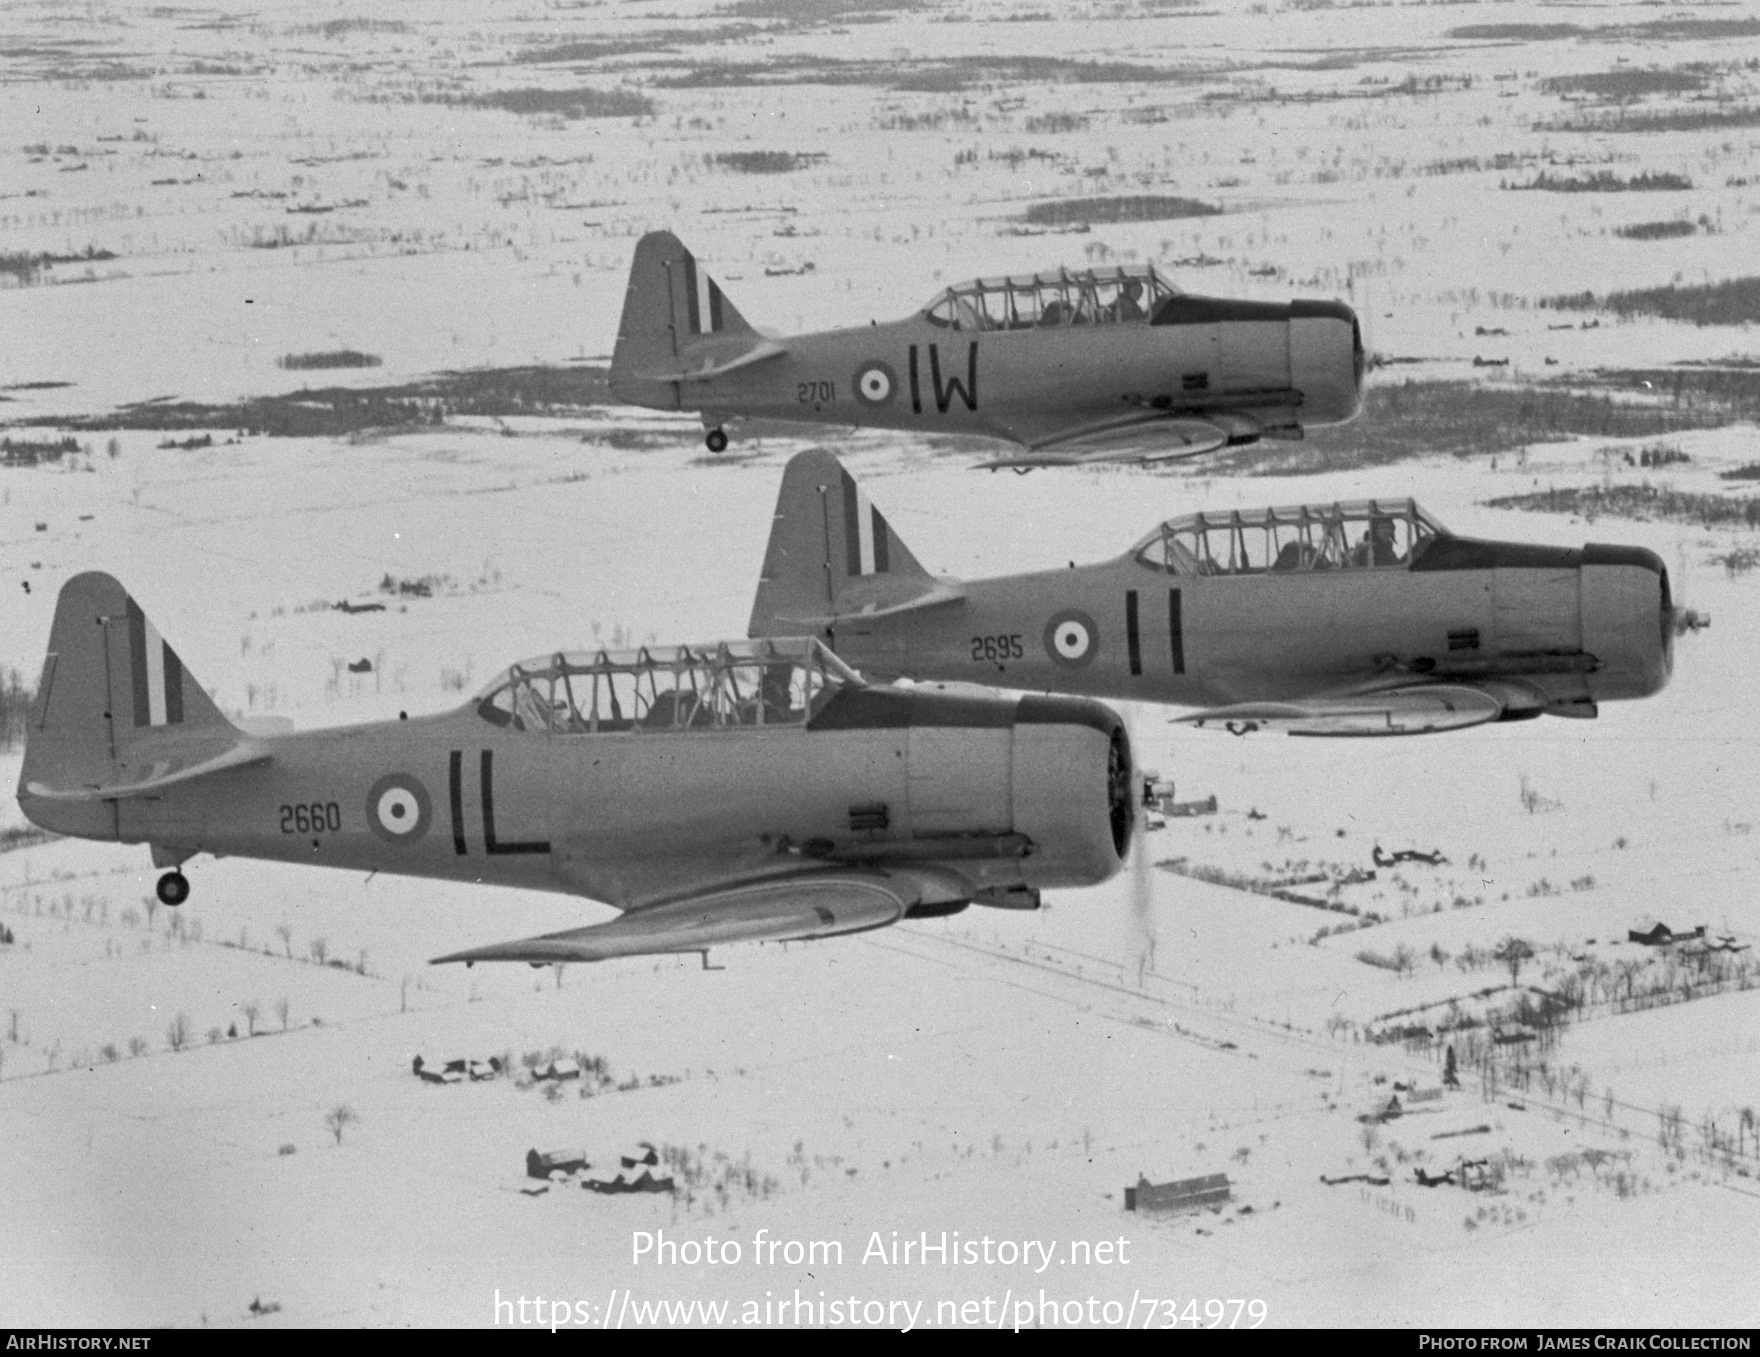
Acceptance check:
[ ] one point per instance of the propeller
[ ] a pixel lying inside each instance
(1679, 618)
(1142, 787)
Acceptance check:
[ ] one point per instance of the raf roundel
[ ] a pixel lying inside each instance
(1071, 638)
(398, 808)
(875, 384)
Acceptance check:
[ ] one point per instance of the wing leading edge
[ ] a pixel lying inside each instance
(1177, 434)
(820, 906)
(1418, 710)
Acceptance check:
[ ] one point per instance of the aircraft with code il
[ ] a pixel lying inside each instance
(1359, 618)
(1073, 366)
(743, 791)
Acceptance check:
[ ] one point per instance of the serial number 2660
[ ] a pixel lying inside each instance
(309, 817)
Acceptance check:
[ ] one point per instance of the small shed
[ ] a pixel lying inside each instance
(558, 1070)
(1661, 935)
(448, 1072)
(645, 1182)
(542, 1163)
(1183, 1194)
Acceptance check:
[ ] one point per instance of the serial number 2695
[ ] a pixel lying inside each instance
(310, 817)
(1007, 647)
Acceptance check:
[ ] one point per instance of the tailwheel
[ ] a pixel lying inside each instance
(173, 888)
(716, 440)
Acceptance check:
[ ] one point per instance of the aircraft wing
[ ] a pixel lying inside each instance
(761, 352)
(1118, 438)
(1414, 710)
(818, 906)
(159, 774)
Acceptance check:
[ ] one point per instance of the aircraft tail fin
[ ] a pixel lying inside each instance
(832, 555)
(115, 709)
(671, 308)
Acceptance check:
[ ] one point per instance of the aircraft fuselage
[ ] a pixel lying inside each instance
(978, 781)
(1018, 384)
(1552, 629)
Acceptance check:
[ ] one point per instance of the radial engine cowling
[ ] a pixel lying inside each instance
(1072, 790)
(1015, 793)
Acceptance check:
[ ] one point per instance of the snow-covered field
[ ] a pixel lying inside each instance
(998, 1076)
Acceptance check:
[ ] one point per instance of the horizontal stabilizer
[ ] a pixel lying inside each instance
(1397, 711)
(159, 774)
(818, 906)
(758, 353)
(938, 596)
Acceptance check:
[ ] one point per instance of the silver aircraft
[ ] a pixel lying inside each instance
(1360, 618)
(751, 790)
(1099, 364)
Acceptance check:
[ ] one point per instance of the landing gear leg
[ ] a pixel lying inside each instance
(173, 888)
(716, 440)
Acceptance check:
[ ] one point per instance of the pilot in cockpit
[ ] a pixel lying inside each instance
(1129, 305)
(1378, 546)
(776, 692)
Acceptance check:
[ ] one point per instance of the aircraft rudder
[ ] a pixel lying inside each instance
(109, 678)
(826, 539)
(670, 304)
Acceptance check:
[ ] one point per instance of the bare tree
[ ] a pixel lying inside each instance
(281, 1011)
(285, 933)
(320, 950)
(177, 1034)
(1514, 952)
(339, 1118)
(252, 1011)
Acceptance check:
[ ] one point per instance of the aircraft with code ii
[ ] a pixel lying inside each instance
(1073, 366)
(1360, 618)
(743, 791)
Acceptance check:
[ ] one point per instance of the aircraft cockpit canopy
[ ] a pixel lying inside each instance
(1103, 296)
(1352, 535)
(777, 682)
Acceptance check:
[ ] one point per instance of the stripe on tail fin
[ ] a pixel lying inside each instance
(705, 300)
(157, 672)
(867, 544)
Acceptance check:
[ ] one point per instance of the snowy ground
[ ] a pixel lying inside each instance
(994, 1075)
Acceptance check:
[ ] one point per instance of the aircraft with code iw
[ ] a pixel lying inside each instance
(1359, 618)
(745, 791)
(1074, 366)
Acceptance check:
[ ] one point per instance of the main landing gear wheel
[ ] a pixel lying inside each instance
(173, 888)
(716, 440)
